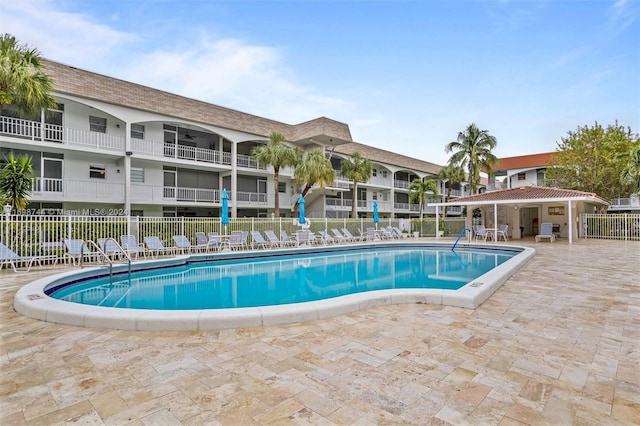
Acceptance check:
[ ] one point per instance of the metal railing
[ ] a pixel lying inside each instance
(611, 226)
(53, 133)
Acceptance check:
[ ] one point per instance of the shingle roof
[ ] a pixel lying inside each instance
(388, 157)
(78, 82)
(527, 193)
(74, 81)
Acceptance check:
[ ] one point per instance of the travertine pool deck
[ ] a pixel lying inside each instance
(559, 343)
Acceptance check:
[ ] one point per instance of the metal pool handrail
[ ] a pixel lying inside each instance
(459, 236)
(99, 250)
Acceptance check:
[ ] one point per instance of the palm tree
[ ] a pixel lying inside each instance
(472, 151)
(278, 155)
(16, 177)
(23, 84)
(631, 169)
(357, 169)
(314, 168)
(453, 175)
(419, 189)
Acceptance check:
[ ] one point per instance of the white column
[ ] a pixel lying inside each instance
(127, 167)
(571, 223)
(127, 172)
(234, 179)
(437, 223)
(495, 223)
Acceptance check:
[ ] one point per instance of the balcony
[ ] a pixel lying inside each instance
(248, 162)
(77, 190)
(402, 184)
(34, 131)
(625, 203)
(340, 182)
(338, 204)
(180, 152)
(46, 185)
(197, 195)
(253, 198)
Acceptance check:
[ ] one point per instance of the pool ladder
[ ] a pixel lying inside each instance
(460, 236)
(102, 253)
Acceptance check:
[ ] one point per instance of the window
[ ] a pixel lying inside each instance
(98, 124)
(375, 172)
(137, 131)
(97, 171)
(282, 187)
(384, 174)
(137, 174)
(522, 176)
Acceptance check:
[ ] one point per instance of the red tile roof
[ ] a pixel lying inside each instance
(523, 161)
(528, 193)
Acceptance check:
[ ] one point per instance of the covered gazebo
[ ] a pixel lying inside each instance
(525, 207)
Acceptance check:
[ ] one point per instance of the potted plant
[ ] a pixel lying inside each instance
(416, 227)
(443, 231)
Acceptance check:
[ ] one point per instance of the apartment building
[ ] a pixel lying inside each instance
(117, 148)
(530, 170)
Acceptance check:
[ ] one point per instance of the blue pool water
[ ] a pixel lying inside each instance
(283, 279)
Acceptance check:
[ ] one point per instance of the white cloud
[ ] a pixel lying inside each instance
(226, 72)
(71, 38)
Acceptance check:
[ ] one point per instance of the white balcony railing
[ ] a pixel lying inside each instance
(336, 202)
(53, 133)
(403, 184)
(249, 162)
(625, 203)
(178, 193)
(47, 185)
(253, 198)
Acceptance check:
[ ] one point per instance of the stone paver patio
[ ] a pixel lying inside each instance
(559, 343)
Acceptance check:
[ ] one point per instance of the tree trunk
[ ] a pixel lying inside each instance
(354, 200)
(276, 196)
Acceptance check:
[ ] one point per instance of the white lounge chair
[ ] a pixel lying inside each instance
(77, 250)
(155, 246)
(274, 241)
(129, 244)
(546, 231)
(182, 243)
(9, 257)
(110, 248)
(325, 238)
(258, 240)
(284, 238)
(350, 236)
(337, 235)
(207, 243)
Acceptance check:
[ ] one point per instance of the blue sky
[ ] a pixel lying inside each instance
(404, 75)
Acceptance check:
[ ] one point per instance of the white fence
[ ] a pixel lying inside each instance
(30, 235)
(611, 226)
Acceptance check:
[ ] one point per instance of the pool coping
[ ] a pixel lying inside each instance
(31, 300)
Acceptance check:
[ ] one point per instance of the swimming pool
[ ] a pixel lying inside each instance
(263, 287)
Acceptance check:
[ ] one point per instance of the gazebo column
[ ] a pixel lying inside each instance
(515, 232)
(495, 222)
(570, 222)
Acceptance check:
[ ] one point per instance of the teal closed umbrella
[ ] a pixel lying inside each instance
(301, 219)
(376, 219)
(224, 215)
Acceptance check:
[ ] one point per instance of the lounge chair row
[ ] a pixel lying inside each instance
(128, 247)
